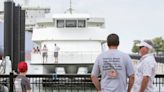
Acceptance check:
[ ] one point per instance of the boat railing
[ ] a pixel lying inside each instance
(66, 57)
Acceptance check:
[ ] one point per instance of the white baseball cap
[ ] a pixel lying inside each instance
(145, 44)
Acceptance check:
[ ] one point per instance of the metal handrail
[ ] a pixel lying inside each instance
(70, 82)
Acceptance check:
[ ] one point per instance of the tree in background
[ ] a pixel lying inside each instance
(135, 48)
(158, 44)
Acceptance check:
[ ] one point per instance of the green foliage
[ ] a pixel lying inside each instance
(135, 48)
(158, 44)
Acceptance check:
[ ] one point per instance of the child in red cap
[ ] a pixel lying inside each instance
(21, 83)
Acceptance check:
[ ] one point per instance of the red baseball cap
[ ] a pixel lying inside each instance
(22, 66)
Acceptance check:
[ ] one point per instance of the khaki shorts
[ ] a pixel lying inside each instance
(45, 54)
(55, 54)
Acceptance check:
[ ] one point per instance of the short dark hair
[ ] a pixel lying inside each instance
(113, 40)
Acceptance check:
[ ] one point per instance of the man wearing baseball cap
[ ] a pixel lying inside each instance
(21, 83)
(145, 71)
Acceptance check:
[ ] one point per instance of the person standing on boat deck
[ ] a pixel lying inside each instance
(37, 50)
(114, 67)
(34, 50)
(44, 53)
(56, 52)
(146, 68)
(21, 83)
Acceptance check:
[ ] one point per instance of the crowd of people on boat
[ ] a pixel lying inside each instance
(44, 52)
(36, 50)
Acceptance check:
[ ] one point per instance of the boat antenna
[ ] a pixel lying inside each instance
(70, 9)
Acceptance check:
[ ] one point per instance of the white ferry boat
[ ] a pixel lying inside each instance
(80, 38)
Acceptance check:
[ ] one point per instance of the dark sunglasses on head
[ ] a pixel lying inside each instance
(141, 47)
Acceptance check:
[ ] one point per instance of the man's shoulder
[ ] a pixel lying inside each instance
(122, 54)
(103, 53)
(149, 58)
(25, 80)
(118, 53)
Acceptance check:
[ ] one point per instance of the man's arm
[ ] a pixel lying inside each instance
(131, 82)
(96, 82)
(130, 73)
(145, 81)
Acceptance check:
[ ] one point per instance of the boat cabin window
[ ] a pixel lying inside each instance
(71, 23)
(81, 23)
(60, 23)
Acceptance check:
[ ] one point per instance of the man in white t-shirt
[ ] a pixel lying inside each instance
(56, 52)
(115, 67)
(146, 68)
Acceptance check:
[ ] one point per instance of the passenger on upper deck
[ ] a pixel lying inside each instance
(34, 50)
(56, 52)
(45, 53)
(37, 50)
